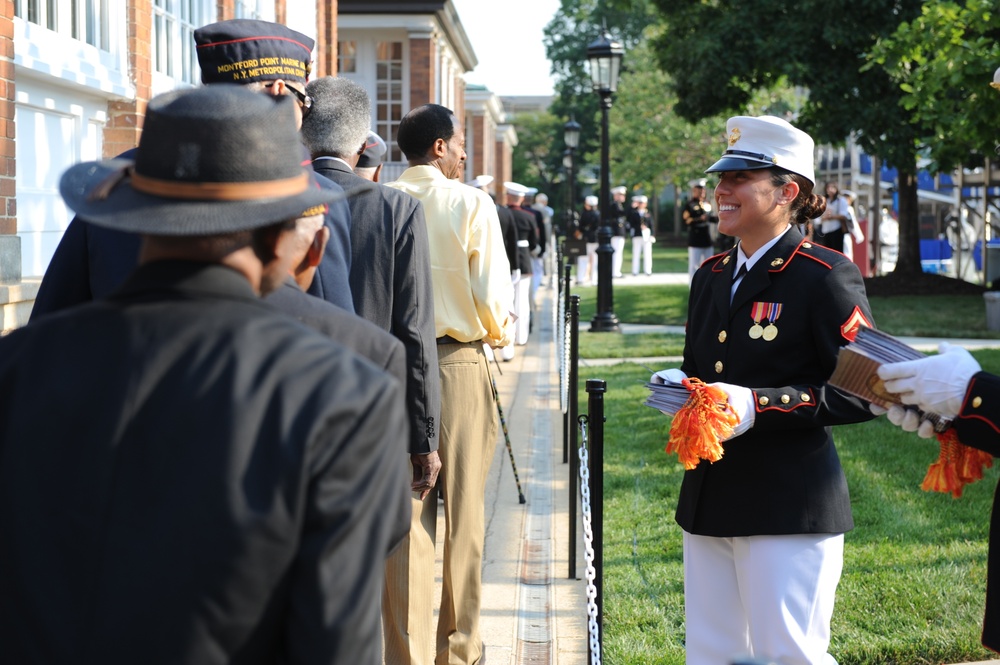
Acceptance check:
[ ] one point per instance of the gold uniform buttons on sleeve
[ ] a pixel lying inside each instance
(977, 402)
(718, 367)
(785, 399)
(804, 397)
(722, 336)
(763, 400)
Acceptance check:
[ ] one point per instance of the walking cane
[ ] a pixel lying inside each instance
(506, 436)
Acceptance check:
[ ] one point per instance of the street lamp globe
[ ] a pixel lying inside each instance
(571, 134)
(605, 57)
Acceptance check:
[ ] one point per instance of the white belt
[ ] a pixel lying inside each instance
(523, 243)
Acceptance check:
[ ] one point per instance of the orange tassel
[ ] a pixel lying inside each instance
(700, 426)
(957, 466)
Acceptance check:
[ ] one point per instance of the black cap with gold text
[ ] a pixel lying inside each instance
(247, 50)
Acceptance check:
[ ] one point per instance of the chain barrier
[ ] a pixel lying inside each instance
(588, 543)
(565, 363)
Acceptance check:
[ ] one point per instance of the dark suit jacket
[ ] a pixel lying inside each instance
(206, 481)
(361, 336)
(526, 233)
(391, 285)
(783, 476)
(508, 228)
(90, 262)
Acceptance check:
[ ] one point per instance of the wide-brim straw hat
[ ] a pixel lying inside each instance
(212, 160)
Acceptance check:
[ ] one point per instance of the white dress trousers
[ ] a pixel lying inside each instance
(617, 244)
(522, 308)
(764, 597)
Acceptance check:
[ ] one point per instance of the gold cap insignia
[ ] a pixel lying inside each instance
(734, 136)
(777, 262)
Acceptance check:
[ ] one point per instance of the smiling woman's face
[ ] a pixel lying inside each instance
(750, 207)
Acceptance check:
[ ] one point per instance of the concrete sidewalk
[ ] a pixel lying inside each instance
(532, 612)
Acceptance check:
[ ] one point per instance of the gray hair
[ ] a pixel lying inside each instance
(338, 122)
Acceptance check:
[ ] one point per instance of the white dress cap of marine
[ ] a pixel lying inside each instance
(763, 142)
(698, 182)
(480, 181)
(640, 198)
(618, 190)
(590, 200)
(515, 189)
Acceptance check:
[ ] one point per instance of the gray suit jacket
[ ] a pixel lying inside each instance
(391, 285)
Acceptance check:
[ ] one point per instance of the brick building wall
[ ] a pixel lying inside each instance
(8, 205)
(423, 71)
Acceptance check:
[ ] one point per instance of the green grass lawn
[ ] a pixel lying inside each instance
(915, 572)
(914, 580)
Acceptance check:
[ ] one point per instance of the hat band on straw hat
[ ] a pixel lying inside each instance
(221, 191)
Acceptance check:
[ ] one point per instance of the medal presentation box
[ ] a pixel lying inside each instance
(857, 370)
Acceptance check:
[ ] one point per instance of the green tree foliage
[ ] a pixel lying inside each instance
(535, 163)
(574, 26)
(720, 53)
(942, 61)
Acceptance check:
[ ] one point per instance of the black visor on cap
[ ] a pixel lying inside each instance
(736, 163)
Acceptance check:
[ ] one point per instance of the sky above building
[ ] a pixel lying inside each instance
(507, 38)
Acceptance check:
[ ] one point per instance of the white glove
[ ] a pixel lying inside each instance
(665, 376)
(936, 384)
(741, 401)
(909, 421)
(515, 276)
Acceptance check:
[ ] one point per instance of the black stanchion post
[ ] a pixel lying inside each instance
(595, 417)
(574, 460)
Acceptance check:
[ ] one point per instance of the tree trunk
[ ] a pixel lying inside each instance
(908, 262)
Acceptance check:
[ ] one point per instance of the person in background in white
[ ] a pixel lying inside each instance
(833, 223)
(590, 223)
(854, 235)
(550, 268)
(642, 235)
(619, 229)
(697, 215)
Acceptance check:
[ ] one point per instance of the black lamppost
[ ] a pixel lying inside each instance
(571, 137)
(605, 57)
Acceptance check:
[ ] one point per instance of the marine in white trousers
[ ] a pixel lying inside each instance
(617, 244)
(642, 245)
(522, 309)
(765, 597)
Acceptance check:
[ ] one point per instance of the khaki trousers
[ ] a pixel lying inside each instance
(468, 432)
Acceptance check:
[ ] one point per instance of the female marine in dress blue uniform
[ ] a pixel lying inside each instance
(764, 526)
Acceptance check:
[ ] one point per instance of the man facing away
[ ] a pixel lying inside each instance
(207, 480)
(390, 265)
(472, 292)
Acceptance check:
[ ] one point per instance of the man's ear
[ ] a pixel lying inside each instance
(315, 253)
(440, 148)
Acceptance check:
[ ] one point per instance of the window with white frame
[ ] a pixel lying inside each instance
(262, 10)
(347, 57)
(174, 23)
(389, 95)
(85, 20)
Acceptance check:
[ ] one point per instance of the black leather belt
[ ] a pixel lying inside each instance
(448, 339)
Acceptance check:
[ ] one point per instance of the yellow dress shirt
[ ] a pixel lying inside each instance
(469, 268)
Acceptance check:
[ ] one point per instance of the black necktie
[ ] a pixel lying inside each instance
(742, 271)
